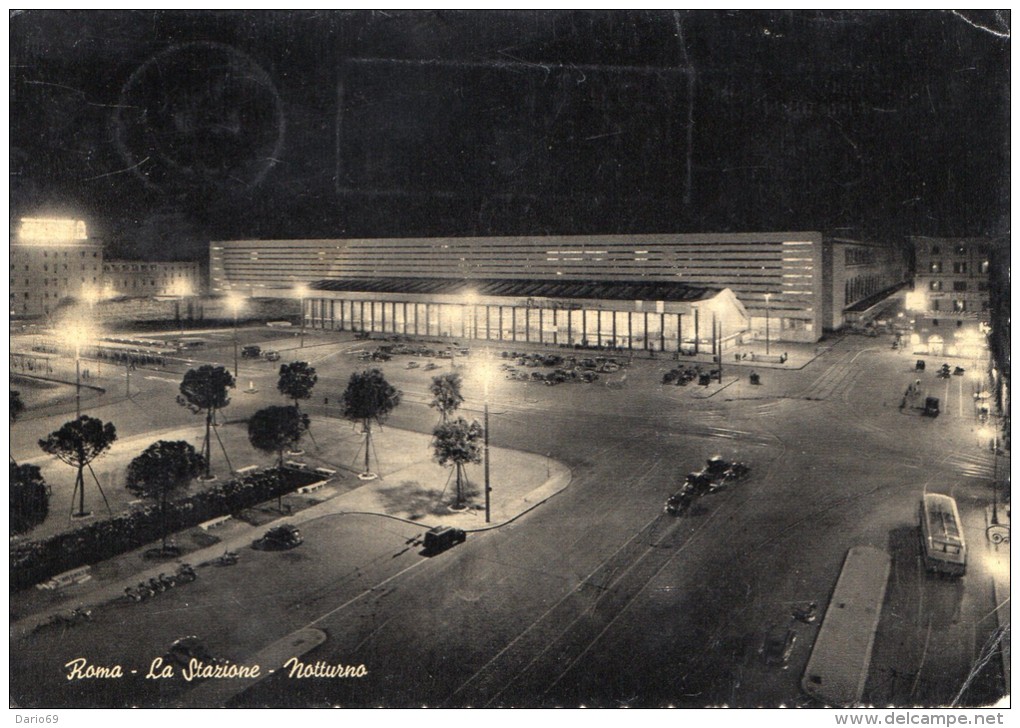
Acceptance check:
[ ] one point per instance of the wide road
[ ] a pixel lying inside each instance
(598, 598)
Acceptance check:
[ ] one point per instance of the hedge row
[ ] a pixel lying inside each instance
(37, 561)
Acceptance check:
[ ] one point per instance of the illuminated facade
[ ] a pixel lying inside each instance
(785, 277)
(51, 260)
(146, 278)
(950, 302)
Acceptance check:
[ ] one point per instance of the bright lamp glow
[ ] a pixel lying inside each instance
(235, 301)
(916, 301)
(51, 230)
(181, 288)
(76, 333)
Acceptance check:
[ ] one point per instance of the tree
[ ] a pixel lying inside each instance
(446, 396)
(205, 390)
(16, 408)
(29, 498)
(369, 397)
(275, 429)
(17, 405)
(458, 442)
(297, 380)
(78, 443)
(164, 468)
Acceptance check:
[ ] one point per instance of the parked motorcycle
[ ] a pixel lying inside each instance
(75, 616)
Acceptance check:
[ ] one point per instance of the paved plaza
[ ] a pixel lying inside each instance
(579, 590)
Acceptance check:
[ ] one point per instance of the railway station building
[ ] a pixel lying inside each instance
(677, 292)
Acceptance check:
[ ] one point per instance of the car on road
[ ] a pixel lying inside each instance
(272, 356)
(778, 645)
(189, 648)
(279, 538)
(251, 352)
(440, 538)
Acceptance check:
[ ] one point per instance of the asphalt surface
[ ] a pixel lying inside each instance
(597, 598)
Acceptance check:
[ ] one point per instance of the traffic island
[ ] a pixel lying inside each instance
(838, 667)
(412, 487)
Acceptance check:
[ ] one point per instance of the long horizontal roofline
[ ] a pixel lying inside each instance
(608, 290)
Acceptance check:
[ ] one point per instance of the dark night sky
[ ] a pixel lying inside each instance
(165, 130)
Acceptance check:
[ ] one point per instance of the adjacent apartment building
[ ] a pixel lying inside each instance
(147, 278)
(52, 260)
(951, 300)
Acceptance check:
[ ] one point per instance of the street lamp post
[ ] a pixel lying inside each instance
(234, 301)
(301, 289)
(485, 410)
(77, 382)
(768, 296)
(76, 334)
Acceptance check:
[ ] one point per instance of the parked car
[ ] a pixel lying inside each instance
(778, 645)
(279, 538)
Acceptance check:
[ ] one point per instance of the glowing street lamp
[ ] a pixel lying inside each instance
(301, 290)
(75, 335)
(92, 296)
(768, 297)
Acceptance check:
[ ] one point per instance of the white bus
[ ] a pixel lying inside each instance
(942, 543)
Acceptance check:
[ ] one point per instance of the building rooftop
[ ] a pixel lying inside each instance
(617, 290)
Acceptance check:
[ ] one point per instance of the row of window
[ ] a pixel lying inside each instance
(958, 286)
(861, 287)
(959, 249)
(956, 306)
(57, 254)
(959, 267)
(124, 267)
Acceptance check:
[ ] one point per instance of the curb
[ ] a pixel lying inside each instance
(94, 599)
(101, 390)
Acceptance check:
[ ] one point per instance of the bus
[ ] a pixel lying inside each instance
(942, 543)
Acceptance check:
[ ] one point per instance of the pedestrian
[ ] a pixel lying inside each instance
(325, 401)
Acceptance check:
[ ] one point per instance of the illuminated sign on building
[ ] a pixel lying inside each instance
(51, 230)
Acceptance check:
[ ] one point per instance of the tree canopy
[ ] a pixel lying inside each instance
(297, 380)
(17, 405)
(163, 468)
(29, 498)
(80, 441)
(369, 397)
(446, 396)
(275, 429)
(458, 443)
(205, 388)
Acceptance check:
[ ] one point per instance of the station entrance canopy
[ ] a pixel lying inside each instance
(656, 316)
